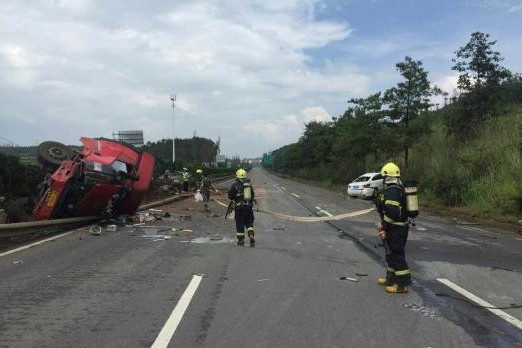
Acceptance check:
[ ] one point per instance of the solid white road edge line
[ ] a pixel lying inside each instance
(498, 312)
(220, 203)
(36, 243)
(296, 195)
(163, 339)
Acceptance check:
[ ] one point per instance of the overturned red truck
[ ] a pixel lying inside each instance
(105, 176)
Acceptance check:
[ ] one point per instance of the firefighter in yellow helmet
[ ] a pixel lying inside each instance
(393, 230)
(242, 193)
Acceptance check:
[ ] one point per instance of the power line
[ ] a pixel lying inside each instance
(12, 143)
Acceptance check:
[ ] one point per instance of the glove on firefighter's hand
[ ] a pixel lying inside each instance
(382, 232)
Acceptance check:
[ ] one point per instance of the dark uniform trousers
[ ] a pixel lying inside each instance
(244, 219)
(391, 207)
(398, 271)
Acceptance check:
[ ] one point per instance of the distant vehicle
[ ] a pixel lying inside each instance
(366, 186)
(105, 176)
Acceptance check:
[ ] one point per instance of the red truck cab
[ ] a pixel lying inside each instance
(106, 176)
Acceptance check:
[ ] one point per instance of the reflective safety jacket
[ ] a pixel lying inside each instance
(236, 194)
(391, 205)
(185, 176)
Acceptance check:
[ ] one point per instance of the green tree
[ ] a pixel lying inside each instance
(406, 101)
(357, 131)
(480, 79)
(316, 143)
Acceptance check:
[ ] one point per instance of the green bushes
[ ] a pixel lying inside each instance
(482, 174)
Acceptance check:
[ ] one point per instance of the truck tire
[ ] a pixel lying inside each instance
(51, 154)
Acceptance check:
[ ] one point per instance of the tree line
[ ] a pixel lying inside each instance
(190, 152)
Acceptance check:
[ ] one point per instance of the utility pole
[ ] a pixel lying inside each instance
(173, 99)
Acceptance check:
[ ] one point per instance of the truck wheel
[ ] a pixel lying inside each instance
(51, 154)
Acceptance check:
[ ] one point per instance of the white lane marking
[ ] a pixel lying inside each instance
(36, 243)
(498, 312)
(278, 188)
(323, 211)
(472, 229)
(284, 188)
(165, 335)
(475, 229)
(520, 239)
(433, 218)
(296, 195)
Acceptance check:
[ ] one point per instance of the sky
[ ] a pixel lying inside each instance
(252, 72)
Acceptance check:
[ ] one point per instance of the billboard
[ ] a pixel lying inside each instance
(132, 137)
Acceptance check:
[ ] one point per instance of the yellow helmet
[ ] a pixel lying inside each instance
(199, 171)
(391, 169)
(241, 174)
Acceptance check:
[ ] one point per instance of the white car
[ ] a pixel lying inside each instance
(365, 186)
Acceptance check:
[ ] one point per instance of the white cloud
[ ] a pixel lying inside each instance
(515, 8)
(316, 113)
(93, 67)
(285, 129)
(449, 85)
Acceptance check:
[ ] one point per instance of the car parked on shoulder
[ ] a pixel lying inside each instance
(366, 186)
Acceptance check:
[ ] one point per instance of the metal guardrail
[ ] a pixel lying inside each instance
(51, 226)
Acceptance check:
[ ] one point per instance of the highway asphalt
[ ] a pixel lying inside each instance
(193, 287)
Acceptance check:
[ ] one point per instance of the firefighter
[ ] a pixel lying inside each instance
(393, 230)
(199, 174)
(185, 180)
(205, 187)
(242, 193)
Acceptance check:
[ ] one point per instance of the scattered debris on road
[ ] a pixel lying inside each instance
(95, 230)
(504, 269)
(350, 279)
(419, 308)
(111, 228)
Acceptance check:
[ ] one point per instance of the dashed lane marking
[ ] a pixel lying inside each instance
(323, 211)
(36, 243)
(296, 195)
(165, 335)
(284, 188)
(278, 188)
(498, 312)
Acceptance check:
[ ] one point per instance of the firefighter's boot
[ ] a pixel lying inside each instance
(251, 237)
(397, 289)
(386, 280)
(241, 239)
